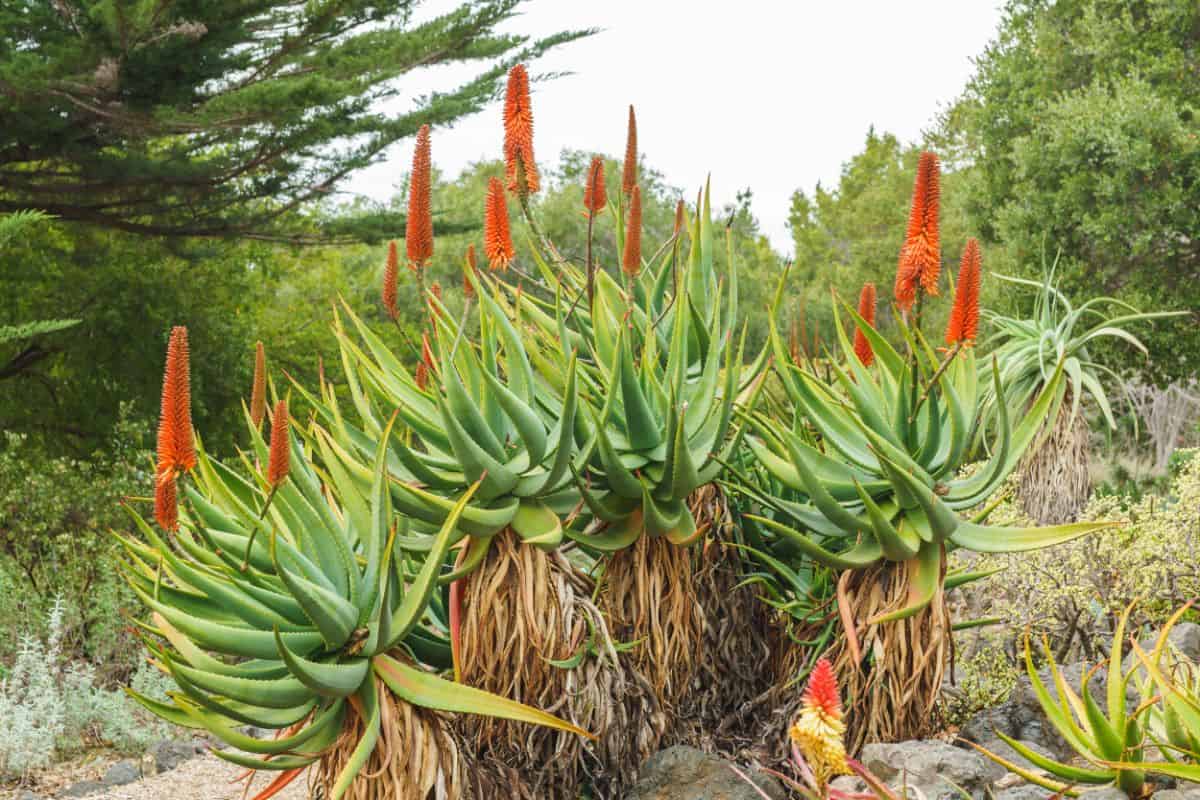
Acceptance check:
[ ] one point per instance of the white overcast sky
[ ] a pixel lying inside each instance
(771, 95)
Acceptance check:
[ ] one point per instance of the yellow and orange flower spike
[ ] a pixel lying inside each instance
(418, 231)
(166, 503)
(258, 389)
(631, 263)
(391, 276)
(819, 730)
(497, 241)
(595, 194)
(921, 255)
(629, 168)
(518, 134)
(866, 310)
(279, 460)
(964, 317)
(176, 447)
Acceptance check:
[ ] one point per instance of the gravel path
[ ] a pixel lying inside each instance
(204, 777)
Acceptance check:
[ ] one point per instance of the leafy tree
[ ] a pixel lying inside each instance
(1080, 130)
(852, 233)
(219, 118)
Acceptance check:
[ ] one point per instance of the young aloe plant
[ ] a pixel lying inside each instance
(282, 602)
(1110, 738)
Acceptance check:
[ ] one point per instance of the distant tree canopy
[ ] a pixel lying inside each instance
(1080, 137)
(219, 118)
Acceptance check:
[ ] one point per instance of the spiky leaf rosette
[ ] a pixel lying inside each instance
(872, 472)
(480, 413)
(660, 374)
(294, 613)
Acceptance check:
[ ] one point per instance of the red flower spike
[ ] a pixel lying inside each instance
(176, 447)
(258, 390)
(280, 459)
(166, 502)
(629, 168)
(418, 232)
(391, 276)
(920, 257)
(822, 690)
(518, 133)
(866, 310)
(594, 193)
(632, 261)
(497, 241)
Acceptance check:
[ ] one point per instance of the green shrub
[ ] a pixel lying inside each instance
(52, 706)
(1074, 593)
(55, 514)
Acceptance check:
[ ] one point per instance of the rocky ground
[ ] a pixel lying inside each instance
(929, 770)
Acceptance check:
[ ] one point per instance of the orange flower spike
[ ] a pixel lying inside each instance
(391, 276)
(166, 503)
(258, 390)
(629, 168)
(632, 261)
(964, 317)
(418, 232)
(920, 257)
(497, 240)
(518, 133)
(866, 310)
(594, 193)
(422, 376)
(679, 216)
(280, 458)
(176, 447)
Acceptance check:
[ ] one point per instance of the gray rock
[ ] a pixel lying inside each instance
(849, 784)
(935, 768)
(685, 773)
(1026, 791)
(82, 789)
(121, 773)
(25, 794)
(1190, 792)
(1104, 793)
(169, 754)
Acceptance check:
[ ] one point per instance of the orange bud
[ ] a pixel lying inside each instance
(470, 270)
(422, 376)
(391, 275)
(518, 133)
(866, 310)
(964, 317)
(280, 459)
(632, 261)
(258, 390)
(679, 216)
(418, 234)
(594, 193)
(629, 168)
(920, 257)
(166, 502)
(176, 447)
(497, 241)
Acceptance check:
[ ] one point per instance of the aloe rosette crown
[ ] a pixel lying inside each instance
(870, 471)
(660, 375)
(1030, 349)
(486, 416)
(297, 625)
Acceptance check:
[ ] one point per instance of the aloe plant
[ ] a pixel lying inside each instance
(305, 626)
(1109, 738)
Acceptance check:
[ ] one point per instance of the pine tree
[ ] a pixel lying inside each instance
(220, 117)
